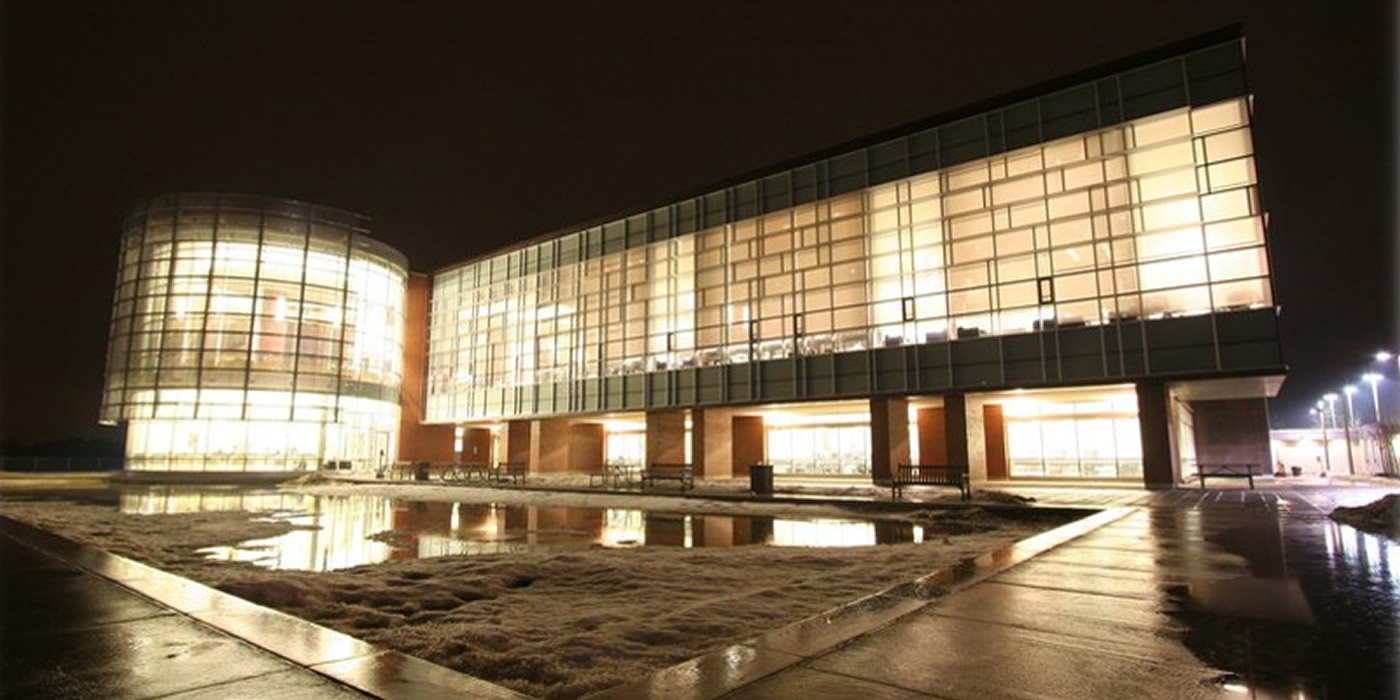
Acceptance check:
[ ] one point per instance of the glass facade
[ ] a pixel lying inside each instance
(1151, 218)
(1093, 436)
(251, 333)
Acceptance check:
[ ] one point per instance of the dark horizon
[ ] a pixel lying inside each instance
(462, 129)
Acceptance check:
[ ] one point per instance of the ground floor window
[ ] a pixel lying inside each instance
(1094, 438)
(626, 448)
(362, 442)
(833, 450)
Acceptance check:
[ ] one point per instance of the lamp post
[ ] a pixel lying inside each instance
(1384, 357)
(1321, 411)
(1348, 390)
(1384, 442)
(1331, 399)
(1372, 378)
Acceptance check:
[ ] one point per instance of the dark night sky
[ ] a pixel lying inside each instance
(461, 127)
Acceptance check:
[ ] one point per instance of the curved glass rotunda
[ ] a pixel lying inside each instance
(254, 334)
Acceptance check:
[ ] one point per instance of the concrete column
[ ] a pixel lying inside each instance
(586, 445)
(889, 436)
(711, 442)
(551, 446)
(749, 444)
(1159, 471)
(519, 441)
(665, 436)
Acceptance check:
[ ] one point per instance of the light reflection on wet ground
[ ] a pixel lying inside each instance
(336, 532)
(1313, 616)
(1196, 594)
(1220, 593)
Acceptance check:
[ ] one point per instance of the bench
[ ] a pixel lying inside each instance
(611, 475)
(929, 475)
(514, 472)
(1226, 471)
(460, 472)
(682, 472)
(401, 471)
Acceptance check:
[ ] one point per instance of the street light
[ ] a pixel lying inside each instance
(1372, 378)
(1351, 464)
(1384, 356)
(1321, 412)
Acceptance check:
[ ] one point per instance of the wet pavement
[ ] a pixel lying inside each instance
(1190, 594)
(77, 622)
(71, 634)
(1179, 594)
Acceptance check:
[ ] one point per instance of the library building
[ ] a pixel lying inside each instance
(1065, 284)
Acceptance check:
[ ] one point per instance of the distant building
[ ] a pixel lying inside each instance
(1067, 283)
(1368, 454)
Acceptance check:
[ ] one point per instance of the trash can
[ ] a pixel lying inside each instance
(761, 478)
(420, 471)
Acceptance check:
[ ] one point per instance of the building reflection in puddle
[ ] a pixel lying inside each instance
(1271, 600)
(337, 532)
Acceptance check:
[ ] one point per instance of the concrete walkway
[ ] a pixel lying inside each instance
(69, 634)
(1199, 594)
(1182, 594)
(78, 622)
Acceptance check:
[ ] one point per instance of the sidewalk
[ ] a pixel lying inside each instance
(1193, 594)
(77, 622)
(70, 634)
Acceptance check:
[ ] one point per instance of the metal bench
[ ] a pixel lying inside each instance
(929, 475)
(462, 472)
(1226, 471)
(612, 475)
(681, 472)
(514, 472)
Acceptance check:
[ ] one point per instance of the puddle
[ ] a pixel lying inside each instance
(337, 532)
(1313, 615)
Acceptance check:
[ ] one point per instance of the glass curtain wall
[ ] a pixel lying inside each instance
(821, 450)
(1094, 437)
(254, 334)
(1157, 217)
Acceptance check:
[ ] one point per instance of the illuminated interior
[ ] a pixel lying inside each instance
(625, 441)
(829, 439)
(1152, 218)
(251, 334)
(1081, 434)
